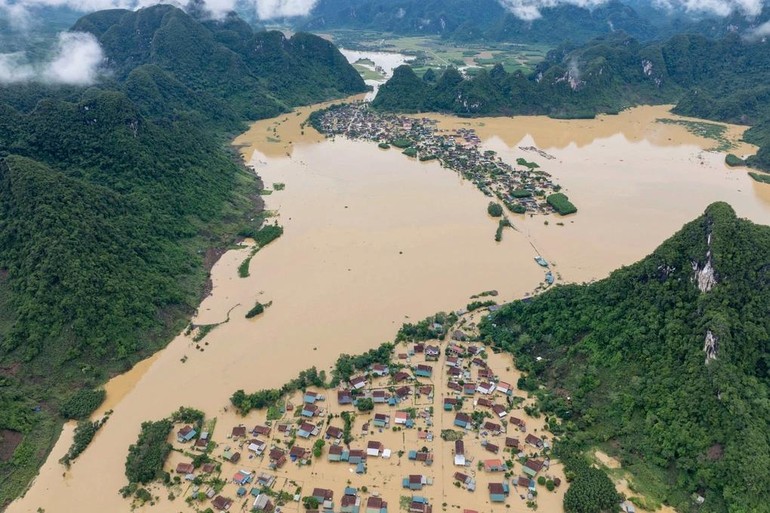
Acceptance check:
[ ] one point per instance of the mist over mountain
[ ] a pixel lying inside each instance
(537, 21)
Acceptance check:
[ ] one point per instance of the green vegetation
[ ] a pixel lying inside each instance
(410, 152)
(365, 404)
(494, 209)
(449, 29)
(760, 177)
(255, 310)
(347, 431)
(85, 431)
(266, 234)
(733, 160)
(401, 143)
(82, 403)
(501, 225)
(628, 352)
(114, 196)
(475, 305)
(318, 447)
(434, 327)
(522, 193)
(561, 204)
(384, 146)
(591, 491)
(310, 502)
(711, 131)
(262, 237)
(525, 163)
(146, 457)
(605, 76)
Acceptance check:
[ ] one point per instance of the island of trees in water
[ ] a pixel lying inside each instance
(524, 188)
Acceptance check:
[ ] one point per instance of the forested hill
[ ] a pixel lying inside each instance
(112, 195)
(665, 364)
(725, 80)
(481, 20)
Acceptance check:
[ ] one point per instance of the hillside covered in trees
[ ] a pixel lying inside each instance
(488, 21)
(664, 364)
(113, 196)
(724, 80)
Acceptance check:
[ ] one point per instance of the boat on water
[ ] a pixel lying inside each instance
(541, 261)
(549, 278)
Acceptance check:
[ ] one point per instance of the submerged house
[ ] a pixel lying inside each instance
(263, 503)
(424, 371)
(414, 482)
(309, 410)
(306, 430)
(344, 397)
(534, 441)
(334, 433)
(358, 382)
(376, 505)
(335, 453)
(277, 458)
(221, 503)
(532, 467)
(186, 434)
(462, 420)
(381, 420)
(495, 465)
(498, 491)
(374, 448)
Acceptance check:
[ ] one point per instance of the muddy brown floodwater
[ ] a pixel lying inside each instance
(373, 239)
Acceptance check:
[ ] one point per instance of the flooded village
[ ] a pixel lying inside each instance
(522, 189)
(436, 424)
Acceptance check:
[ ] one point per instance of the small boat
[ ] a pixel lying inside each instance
(549, 278)
(541, 261)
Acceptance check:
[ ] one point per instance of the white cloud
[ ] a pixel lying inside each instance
(530, 9)
(268, 9)
(18, 10)
(759, 32)
(76, 61)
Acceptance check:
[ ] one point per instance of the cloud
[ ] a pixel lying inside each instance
(76, 60)
(529, 10)
(759, 32)
(269, 9)
(19, 10)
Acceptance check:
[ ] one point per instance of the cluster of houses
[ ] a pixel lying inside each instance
(458, 150)
(427, 387)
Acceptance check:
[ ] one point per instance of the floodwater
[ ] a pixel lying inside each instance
(385, 61)
(373, 239)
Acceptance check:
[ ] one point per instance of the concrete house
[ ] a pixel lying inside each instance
(358, 382)
(374, 448)
(310, 410)
(459, 453)
(306, 430)
(495, 465)
(534, 441)
(344, 397)
(381, 420)
(423, 371)
(376, 505)
(532, 467)
(498, 492)
(462, 420)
